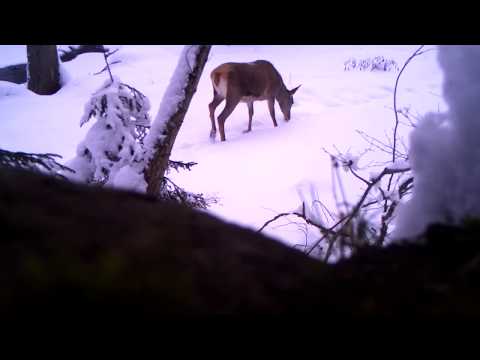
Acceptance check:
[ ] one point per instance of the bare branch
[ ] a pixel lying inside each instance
(110, 53)
(181, 165)
(106, 67)
(272, 220)
(323, 237)
(386, 148)
(324, 209)
(373, 202)
(358, 206)
(416, 53)
(425, 51)
(358, 176)
(405, 187)
(384, 227)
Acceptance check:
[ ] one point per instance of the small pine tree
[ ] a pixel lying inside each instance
(113, 153)
(115, 139)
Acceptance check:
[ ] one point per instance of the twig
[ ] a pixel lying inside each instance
(272, 220)
(303, 216)
(389, 210)
(406, 114)
(110, 53)
(416, 53)
(323, 237)
(370, 203)
(384, 227)
(342, 190)
(358, 206)
(324, 209)
(358, 176)
(180, 164)
(405, 187)
(377, 143)
(106, 55)
(105, 68)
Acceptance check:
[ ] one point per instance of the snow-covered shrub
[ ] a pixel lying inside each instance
(114, 140)
(113, 152)
(378, 63)
(445, 149)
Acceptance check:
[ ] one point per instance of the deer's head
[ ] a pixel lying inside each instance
(285, 100)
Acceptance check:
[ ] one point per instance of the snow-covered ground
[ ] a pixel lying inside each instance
(254, 175)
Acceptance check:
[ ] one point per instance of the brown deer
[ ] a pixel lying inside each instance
(248, 82)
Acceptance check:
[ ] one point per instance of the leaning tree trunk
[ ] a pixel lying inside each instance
(173, 108)
(43, 69)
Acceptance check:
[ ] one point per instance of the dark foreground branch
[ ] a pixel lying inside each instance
(33, 162)
(73, 52)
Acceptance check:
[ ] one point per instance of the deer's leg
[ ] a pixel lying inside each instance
(271, 108)
(250, 116)
(217, 99)
(230, 104)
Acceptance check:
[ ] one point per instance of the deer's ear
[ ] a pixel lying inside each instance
(293, 91)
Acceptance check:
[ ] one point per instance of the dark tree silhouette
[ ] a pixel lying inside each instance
(43, 69)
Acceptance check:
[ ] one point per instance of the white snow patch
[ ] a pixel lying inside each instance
(445, 151)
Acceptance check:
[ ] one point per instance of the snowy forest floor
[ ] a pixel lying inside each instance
(257, 175)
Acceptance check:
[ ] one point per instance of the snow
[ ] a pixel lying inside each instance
(399, 164)
(350, 160)
(255, 175)
(129, 178)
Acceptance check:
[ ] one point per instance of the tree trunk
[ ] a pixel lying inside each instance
(43, 69)
(159, 162)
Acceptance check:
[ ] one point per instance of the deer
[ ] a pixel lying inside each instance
(248, 82)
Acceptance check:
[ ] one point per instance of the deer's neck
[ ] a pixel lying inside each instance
(282, 91)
